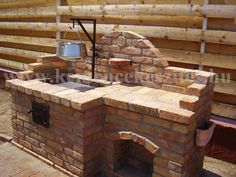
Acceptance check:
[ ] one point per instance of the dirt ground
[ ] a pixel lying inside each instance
(5, 118)
(212, 167)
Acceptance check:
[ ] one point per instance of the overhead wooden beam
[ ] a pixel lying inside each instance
(28, 12)
(213, 11)
(197, 35)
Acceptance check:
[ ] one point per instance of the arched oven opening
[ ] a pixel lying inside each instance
(132, 159)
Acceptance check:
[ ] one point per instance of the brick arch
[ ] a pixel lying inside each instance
(123, 135)
(137, 48)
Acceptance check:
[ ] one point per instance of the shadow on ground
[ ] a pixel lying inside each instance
(207, 173)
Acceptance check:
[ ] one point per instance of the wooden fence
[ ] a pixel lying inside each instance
(191, 33)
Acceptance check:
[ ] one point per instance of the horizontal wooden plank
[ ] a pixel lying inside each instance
(30, 47)
(216, 11)
(206, 59)
(29, 40)
(12, 64)
(228, 87)
(25, 3)
(29, 33)
(28, 12)
(211, 36)
(103, 2)
(147, 20)
(22, 53)
(222, 24)
(233, 2)
(224, 110)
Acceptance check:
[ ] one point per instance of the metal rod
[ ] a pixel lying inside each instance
(93, 41)
(85, 31)
(94, 49)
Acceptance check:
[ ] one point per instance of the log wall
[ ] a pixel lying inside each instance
(191, 33)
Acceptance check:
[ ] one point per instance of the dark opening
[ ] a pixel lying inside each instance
(132, 160)
(40, 114)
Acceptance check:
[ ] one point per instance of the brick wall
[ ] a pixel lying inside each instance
(147, 66)
(85, 127)
(176, 141)
(97, 131)
(2, 80)
(73, 140)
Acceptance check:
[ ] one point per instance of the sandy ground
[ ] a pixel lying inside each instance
(212, 167)
(5, 117)
(15, 162)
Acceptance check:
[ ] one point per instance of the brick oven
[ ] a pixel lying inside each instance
(137, 118)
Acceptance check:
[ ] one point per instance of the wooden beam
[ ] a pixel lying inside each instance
(21, 53)
(226, 88)
(28, 12)
(211, 36)
(24, 3)
(213, 11)
(12, 64)
(225, 110)
(146, 20)
(29, 40)
(232, 2)
(104, 2)
(206, 59)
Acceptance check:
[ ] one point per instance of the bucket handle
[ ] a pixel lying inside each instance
(73, 30)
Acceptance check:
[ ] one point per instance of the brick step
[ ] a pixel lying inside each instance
(119, 62)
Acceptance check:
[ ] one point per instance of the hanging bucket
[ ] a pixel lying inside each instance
(69, 49)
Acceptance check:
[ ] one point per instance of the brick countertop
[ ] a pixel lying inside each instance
(158, 103)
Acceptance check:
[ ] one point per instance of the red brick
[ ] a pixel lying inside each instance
(152, 52)
(151, 69)
(74, 154)
(173, 88)
(171, 135)
(131, 51)
(156, 121)
(104, 62)
(151, 147)
(54, 145)
(161, 62)
(143, 43)
(125, 135)
(104, 40)
(138, 139)
(129, 115)
(189, 103)
(176, 167)
(119, 62)
(111, 48)
(196, 89)
(176, 114)
(32, 141)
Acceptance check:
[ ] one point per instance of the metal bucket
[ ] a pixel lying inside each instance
(69, 49)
